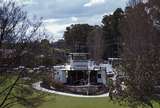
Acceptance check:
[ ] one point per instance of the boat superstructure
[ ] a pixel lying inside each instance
(80, 70)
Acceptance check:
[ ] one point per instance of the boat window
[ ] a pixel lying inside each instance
(99, 75)
(79, 57)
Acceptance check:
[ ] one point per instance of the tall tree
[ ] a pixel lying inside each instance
(112, 35)
(140, 55)
(95, 43)
(76, 37)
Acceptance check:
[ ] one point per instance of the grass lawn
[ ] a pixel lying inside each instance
(57, 101)
(70, 102)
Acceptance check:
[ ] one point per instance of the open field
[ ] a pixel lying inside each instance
(57, 101)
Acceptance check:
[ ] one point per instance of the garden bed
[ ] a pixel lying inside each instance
(81, 90)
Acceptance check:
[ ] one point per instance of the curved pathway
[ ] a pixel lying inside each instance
(38, 87)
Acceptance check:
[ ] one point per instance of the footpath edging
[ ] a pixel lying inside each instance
(38, 87)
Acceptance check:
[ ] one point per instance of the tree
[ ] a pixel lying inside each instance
(154, 7)
(95, 43)
(16, 29)
(140, 57)
(76, 37)
(112, 35)
(60, 44)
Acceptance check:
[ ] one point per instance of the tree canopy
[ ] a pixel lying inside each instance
(112, 35)
(140, 56)
(76, 37)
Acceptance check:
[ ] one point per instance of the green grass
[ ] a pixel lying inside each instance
(57, 101)
(70, 102)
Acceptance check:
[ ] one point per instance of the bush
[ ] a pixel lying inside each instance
(57, 85)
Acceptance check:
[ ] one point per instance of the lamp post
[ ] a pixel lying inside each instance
(88, 85)
(89, 73)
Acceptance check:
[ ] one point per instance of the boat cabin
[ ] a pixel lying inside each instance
(80, 70)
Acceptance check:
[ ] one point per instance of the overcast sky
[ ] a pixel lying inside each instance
(58, 14)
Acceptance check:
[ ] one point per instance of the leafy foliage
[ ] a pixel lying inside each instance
(76, 37)
(112, 35)
(15, 31)
(140, 57)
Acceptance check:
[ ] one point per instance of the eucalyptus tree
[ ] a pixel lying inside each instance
(76, 37)
(112, 35)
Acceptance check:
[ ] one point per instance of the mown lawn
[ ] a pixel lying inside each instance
(70, 102)
(57, 101)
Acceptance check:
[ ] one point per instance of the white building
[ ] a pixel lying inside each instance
(80, 70)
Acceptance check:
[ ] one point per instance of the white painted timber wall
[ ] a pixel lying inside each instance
(60, 76)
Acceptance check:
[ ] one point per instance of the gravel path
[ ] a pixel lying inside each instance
(38, 87)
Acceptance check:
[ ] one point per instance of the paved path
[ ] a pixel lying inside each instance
(38, 87)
